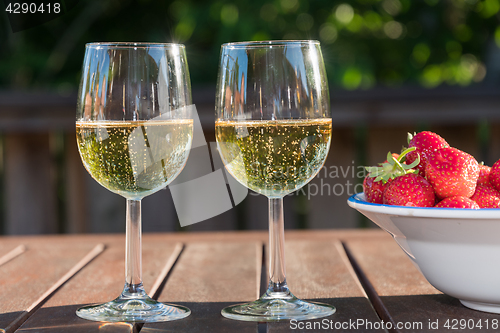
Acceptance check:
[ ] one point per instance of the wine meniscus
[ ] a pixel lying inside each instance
(274, 157)
(134, 158)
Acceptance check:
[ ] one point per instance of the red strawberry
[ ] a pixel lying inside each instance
(373, 190)
(452, 172)
(495, 175)
(375, 183)
(486, 196)
(426, 143)
(457, 202)
(484, 175)
(409, 190)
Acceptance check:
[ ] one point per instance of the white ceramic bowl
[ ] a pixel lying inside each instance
(457, 250)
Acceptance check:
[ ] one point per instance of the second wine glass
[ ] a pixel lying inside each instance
(273, 130)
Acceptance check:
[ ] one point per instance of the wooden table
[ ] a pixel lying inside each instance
(44, 279)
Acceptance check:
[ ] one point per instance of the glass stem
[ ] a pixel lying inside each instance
(133, 248)
(277, 278)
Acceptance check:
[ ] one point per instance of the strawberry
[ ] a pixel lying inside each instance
(375, 183)
(409, 190)
(495, 175)
(457, 202)
(452, 172)
(484, 175)
(426, 143)
(374, 190)
(486, 196)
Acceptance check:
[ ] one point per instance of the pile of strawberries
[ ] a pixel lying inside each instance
(430, 173)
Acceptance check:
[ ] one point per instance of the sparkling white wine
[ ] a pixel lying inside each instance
(274, 157)
(134, 158)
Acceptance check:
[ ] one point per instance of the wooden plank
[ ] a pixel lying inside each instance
(49, 292)
(21, 111)
(404, 292)
(27, 277)
(208, 277)
(105, 209)
(262, 236)
(158, 212)
(205, 237)
(75, 187)
(388, 268)
(382, 139)
(217, 270)
(493, 144)
(29, 181)
(456, 136)
(405, 106)
(255, 211)
(7, 253)
(320, 271)
(101, 281)
(334, 184)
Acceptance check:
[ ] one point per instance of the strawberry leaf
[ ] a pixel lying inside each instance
(393, 167)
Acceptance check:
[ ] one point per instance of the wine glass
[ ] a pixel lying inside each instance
(273, 131)
(134, 130)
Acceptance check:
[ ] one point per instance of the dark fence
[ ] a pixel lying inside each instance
(45, 188)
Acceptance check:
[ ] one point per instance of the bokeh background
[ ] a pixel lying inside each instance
(394, 66)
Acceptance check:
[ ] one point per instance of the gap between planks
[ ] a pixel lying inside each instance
(369, 290)
(261, 270)
(161, 280)
(262, 281)
(14, 325)
(12, 254)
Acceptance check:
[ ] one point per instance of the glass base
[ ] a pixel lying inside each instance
(275, 306)
(135, 307)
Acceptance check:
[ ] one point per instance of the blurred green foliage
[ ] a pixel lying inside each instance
(365, 42)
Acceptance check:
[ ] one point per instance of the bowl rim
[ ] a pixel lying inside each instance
(357, 201)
